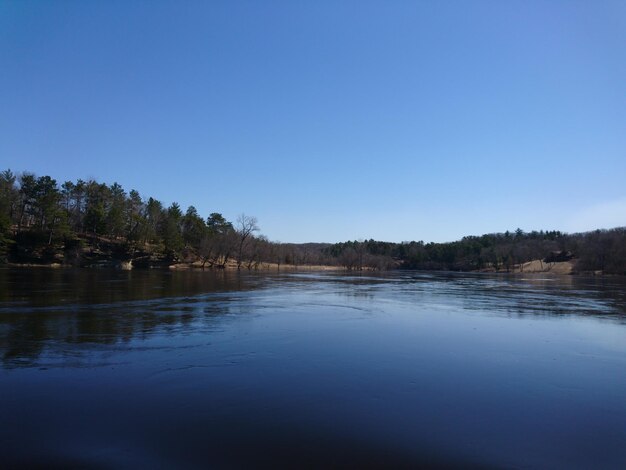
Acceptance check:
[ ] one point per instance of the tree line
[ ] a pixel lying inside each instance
(599, 250)
(87, 222)
(41, 220)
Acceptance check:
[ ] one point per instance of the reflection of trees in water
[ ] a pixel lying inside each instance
(28, 337)
(559, 296)
(57, 311)
(23, 341)
(49, 316)
(514, 295)
(47, 287)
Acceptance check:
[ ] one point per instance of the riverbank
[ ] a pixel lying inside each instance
(259, 267)
(564, 268)
(230, 266)
(539, 266)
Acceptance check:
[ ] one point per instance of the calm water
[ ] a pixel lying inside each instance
(161, 369)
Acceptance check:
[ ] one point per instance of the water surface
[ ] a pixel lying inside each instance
(193, 369)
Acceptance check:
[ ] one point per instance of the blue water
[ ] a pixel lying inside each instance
(194, 369)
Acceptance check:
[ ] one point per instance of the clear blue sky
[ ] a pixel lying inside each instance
(329, 120)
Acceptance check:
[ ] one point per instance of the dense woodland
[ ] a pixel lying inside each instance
(600, 250)
(87, 223)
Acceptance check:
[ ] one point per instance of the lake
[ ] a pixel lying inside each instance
(159, 369)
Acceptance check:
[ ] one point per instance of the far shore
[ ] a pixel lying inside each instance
(563, 268)
(259, 267)
(196, 266)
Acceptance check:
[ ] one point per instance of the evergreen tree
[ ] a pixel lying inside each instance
(171, 230)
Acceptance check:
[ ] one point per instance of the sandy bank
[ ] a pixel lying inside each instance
(539, 266)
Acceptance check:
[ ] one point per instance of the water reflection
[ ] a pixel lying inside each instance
(512, 295)
(54, 311)
(49, 310)
(189, 369)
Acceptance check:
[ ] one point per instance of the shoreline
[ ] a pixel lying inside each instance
(127, 266)
(564, 268)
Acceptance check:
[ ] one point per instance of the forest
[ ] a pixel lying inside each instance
(599, 251)
(87, 223)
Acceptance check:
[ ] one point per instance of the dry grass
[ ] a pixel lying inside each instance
(538, 266)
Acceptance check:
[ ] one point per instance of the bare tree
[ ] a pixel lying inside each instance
(246, 226)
